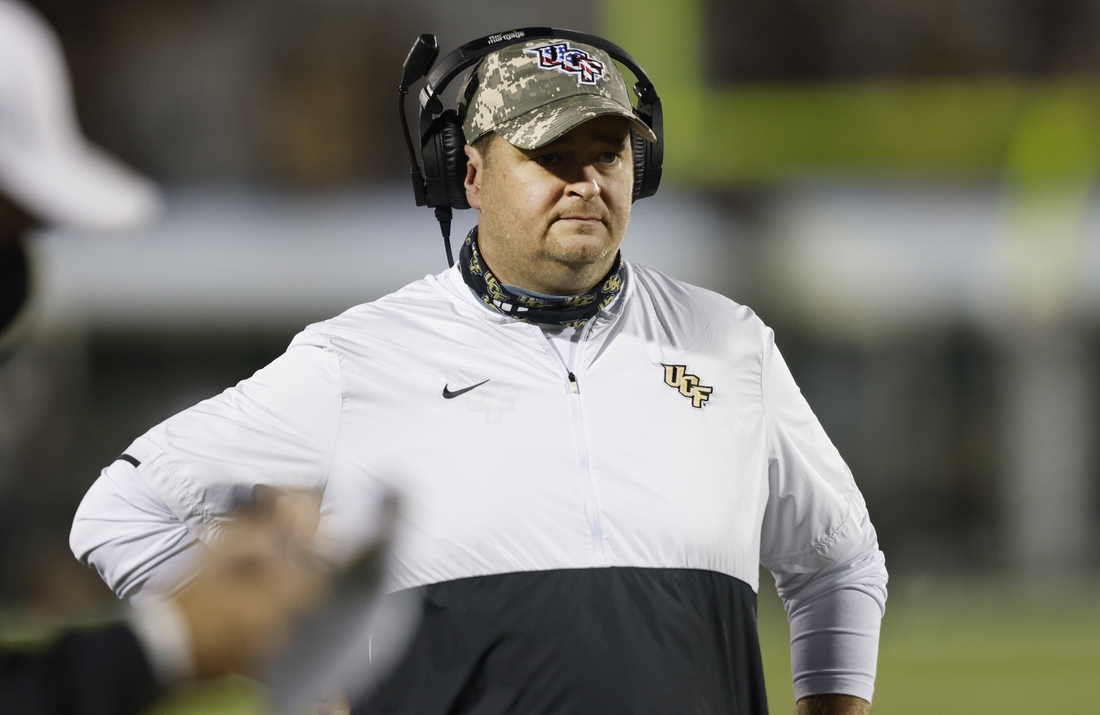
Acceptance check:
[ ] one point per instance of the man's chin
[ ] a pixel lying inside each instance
(582, 240)
(578, 253)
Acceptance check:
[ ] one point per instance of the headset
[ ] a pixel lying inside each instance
(439, 184)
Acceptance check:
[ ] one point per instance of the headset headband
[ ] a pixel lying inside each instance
(472, 52)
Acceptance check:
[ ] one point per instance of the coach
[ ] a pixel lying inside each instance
(595, 458)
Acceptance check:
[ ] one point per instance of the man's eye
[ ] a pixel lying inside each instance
(609, 157)
(548, 159)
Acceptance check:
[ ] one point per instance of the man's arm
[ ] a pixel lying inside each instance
(135, 542)
(143, 523)
(835, 614)
(818, 541)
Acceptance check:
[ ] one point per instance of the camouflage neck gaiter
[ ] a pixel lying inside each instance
(567, 311)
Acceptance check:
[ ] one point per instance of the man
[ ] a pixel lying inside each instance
(596, 458)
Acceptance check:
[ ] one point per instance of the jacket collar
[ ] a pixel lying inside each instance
(451, 284)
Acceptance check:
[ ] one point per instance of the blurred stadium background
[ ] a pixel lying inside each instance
(904, 190)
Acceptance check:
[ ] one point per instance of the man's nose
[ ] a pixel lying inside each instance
(586, 186)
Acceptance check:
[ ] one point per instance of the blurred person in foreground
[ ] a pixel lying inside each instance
(596, 458)
(249, 590)
(49, 173)
(238, 610)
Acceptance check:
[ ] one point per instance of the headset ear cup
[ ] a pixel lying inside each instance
(640, 149)
(453, 146)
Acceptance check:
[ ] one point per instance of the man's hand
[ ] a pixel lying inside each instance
(833, 705)
(258, 579)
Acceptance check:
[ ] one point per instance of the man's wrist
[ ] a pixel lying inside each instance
(833, 705)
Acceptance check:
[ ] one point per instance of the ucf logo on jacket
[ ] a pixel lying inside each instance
(688, 385)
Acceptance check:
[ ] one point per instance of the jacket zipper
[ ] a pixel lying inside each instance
(591, 507)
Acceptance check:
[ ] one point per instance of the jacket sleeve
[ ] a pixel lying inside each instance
(141, 525)
(135, 542)
(818, 541)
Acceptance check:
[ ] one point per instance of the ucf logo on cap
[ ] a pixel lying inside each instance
(526, 93)
(569, 60)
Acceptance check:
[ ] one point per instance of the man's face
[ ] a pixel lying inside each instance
(552, 219)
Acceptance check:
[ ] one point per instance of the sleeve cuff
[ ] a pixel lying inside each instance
(838, 683)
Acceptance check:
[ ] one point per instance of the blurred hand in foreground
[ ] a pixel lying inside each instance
(259, 578)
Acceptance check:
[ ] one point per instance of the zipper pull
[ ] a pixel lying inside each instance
(576, 388)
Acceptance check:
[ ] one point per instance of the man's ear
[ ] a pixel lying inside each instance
(475, 171)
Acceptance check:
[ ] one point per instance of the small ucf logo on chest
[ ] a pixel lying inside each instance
(677, 376)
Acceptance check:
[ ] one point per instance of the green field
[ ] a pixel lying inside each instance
(946, 650)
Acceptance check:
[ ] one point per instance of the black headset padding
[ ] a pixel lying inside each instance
(452, 149)
(640, 150)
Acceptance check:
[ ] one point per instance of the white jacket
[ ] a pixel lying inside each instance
(667, 435)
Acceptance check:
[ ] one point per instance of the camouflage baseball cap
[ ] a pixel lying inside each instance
(532, 93)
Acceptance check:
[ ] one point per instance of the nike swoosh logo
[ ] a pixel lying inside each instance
(448, 395)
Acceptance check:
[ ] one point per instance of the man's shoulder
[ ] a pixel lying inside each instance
(674, 297)
(404, 309)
